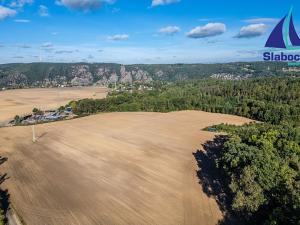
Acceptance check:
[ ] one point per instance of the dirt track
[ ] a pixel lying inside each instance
(116, 168)
(22, 101)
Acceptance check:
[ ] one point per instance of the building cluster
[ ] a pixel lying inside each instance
(228, 76)
(43, 117)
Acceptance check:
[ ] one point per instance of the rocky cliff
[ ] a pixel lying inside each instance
(83, 74)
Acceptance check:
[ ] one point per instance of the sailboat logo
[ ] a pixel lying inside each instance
(284, 35)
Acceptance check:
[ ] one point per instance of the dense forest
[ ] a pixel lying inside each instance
(272, 100)
(260, 162)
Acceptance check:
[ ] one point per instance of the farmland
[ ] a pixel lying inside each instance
(22, 101)
(111, 168)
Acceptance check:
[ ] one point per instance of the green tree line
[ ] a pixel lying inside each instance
(272, 100)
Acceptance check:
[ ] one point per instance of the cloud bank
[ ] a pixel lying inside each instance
(83, 5)
(208, 30)
(23, 46)
(118, 37)
(170, 30)
(163, 2)
(6, 12)
(64, 52)
(43, 11)
(47, 45)
(253, 30)
(262, 20)
(20, 3)
(22, 21)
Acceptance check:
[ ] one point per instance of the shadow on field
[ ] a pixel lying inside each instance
(4, 195)
(42, 135)
(212, 179)
(3, 160)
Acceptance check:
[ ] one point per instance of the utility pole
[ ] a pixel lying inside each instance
(33, 134)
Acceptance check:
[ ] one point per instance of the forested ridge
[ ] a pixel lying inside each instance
(273, 100)
(259, 163)
(20, 75)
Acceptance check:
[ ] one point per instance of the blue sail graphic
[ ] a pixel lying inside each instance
(295, 41)
(284, 34)
(276, 38)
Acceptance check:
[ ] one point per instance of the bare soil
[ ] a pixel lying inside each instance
(22, 101)
(114, 168)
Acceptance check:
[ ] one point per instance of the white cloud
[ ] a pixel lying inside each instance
(262, 20)
(83, 5)
(23, 46)
(208, 30)
(18, 57)
(170, 30)
(64, 52)
(253, 30)
(118, 37)
(47, 45)
(43, 11)
(20, 3)
(6, 12)
(163, 2)
(22, 21)
(116, 10)
(204, 19)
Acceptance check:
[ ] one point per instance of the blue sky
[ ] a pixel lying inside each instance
(138, 31)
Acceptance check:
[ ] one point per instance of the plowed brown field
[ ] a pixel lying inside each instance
(115, 168)
(22, 101)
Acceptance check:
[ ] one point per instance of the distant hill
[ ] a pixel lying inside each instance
(82, 74)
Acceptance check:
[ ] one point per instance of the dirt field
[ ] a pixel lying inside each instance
(22, 101)
(115, 168)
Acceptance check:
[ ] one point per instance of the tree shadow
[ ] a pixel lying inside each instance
(3, 178)
(213, 180)
(3, 160)
(5, 203)
(42, 135)
(4, 195)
